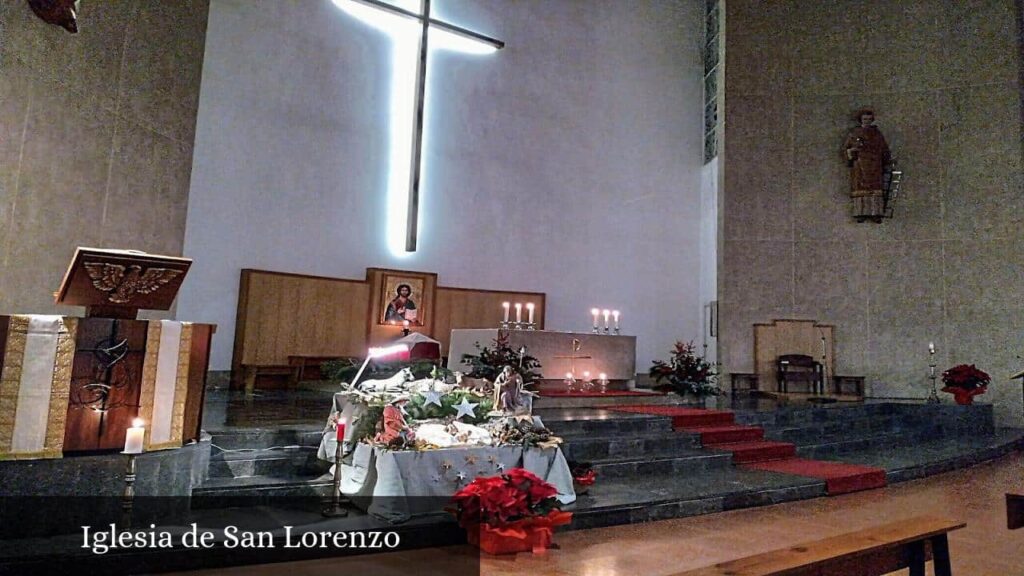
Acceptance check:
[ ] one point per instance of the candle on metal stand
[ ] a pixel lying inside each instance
(606, 313)
(529, 312)
(615, 316)
(595, 312)
(133, 437)
(505, 306)
(340, 428)
(519, 312)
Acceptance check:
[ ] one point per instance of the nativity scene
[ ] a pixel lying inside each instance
(446, 287)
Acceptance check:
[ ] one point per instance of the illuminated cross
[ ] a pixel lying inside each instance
(409, 30)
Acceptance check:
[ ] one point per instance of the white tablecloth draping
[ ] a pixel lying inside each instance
(400, 484)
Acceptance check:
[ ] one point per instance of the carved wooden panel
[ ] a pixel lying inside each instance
(106, 380)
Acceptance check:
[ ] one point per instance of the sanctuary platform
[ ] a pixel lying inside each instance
(654, 460)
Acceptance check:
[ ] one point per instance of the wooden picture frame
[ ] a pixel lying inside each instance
(402, 298)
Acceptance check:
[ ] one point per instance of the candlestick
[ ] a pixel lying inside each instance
(405, 328)
(519, 313)
(615, 316)
(606, 312)
(133, 438)
(504, 306)
(334, 509)
(340, 428)
(529, 312)
(595, 312)
(933, 396)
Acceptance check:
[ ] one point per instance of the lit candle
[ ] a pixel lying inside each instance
(405, 324)
(133, 438)
(595, 312)
(519, 312)
(529, 310)
(505, 306)
(931, 347)
(615, 316)
(602, 376)
(586, 375)
(606, 312)
(340, 427)
(568, 375)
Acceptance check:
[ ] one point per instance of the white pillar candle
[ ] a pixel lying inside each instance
(606, 312)
(931, 347)
(133, 438)
(595, 312)
(519, 312)
(529, 310)
(615, 316)
(505, 306)
(602, 376)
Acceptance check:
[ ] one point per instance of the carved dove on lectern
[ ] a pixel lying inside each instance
(124, 283)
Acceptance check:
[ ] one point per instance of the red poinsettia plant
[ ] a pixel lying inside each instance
(498, 500)
(965, 382)
(965, 376)
(514, 512)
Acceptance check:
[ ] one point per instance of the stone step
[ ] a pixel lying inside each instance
(553, 403)
(279, 462)
(640, 446)
(609, 427)
(261, 438)
(684, 463)
(262, 491)
(756, 451)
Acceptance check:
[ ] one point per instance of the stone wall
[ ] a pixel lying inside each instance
(96, 134)
(943, 77)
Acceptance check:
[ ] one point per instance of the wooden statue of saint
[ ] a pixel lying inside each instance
(867, 154)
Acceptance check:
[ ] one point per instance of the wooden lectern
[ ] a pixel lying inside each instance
(74, 385)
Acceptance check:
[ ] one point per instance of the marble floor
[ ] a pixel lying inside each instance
(974, 495)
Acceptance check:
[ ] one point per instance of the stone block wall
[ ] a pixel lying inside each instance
(944, 79)
(96, 136)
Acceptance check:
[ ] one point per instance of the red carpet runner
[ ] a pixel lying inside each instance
(718, 431)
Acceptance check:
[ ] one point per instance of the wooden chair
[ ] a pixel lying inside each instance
(800, 369)
(871, 552)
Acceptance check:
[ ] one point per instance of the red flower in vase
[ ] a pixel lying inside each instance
(965, 376)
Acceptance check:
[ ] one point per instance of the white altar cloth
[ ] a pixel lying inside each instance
(405, 483)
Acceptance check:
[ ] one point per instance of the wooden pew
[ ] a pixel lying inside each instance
(870, 552)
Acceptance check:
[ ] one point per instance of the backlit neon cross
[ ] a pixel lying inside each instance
(409, 31)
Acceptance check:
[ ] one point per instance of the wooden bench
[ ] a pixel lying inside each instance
(870, 552)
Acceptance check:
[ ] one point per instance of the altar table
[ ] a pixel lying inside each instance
(614, 355)
(405, 483)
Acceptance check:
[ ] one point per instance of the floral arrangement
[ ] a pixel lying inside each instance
(685, 372)
(965, 382)
(514, 512)
(489, 362)
(965, 376)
